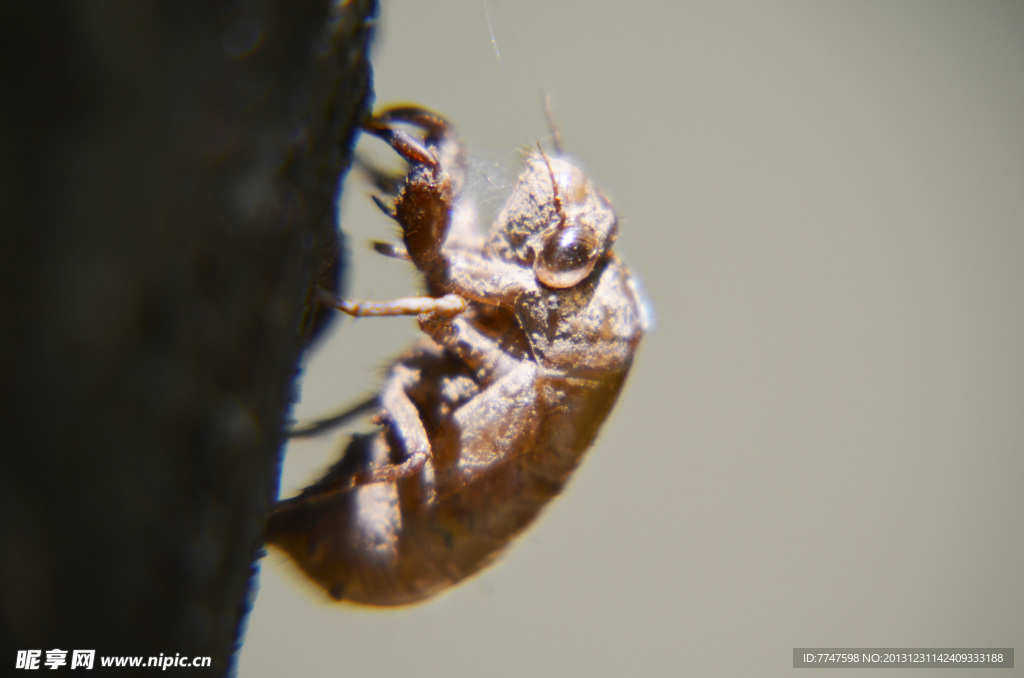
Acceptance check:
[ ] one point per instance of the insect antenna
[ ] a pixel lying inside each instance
(554, 188)
(549, 116)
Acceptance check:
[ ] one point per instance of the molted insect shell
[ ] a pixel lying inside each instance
(484, 420)
(567, 256)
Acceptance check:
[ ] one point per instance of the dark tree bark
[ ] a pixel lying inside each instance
(169, 177)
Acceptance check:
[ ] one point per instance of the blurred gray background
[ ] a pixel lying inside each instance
(821, 442)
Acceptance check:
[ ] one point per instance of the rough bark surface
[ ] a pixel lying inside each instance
(169, 178)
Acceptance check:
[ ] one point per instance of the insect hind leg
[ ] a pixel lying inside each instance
(334, 421)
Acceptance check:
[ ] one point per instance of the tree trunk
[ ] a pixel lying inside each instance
(170, 172)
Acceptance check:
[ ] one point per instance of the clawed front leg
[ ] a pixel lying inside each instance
(424, 204)
(438, 134)
(423, 208)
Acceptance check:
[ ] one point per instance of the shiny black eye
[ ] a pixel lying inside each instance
(567, 257)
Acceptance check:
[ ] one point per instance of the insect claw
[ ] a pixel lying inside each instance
(386, 182)
(390, 249)
(435, 126)
(404, 143)
(385, 207)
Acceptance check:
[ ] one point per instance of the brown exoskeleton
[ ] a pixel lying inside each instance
(530, 334)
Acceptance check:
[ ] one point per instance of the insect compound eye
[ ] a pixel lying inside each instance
(567, 257)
